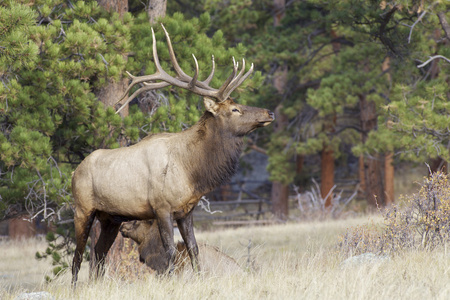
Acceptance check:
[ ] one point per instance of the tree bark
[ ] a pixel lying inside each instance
(327, 155)
(119, 6)
(372, 164)
(109, 94)
(280, 204)
(327, 165)
(156, 9)
(327, 175)
(362, 176)
(280, 6)
(389, 179)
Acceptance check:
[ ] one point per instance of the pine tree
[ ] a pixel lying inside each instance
(51, 118)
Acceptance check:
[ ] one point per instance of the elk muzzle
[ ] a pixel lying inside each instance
(270, 119)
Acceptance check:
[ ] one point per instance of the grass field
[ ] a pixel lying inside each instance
(292, 261)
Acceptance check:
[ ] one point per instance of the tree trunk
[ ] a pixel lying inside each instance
(280, 204)
(389, 192)
(110, 93)
(327, 175)
(327, 165)
(148, 101)
(372, 164)
(362, 176)
(327, 155)
(389, 179)
(119, 6)
(156, 9)
(280, 6)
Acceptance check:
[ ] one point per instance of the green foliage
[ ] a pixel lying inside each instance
(334, 52)
(421, 222)
(50, 115)
(419, 116)
(16, 51)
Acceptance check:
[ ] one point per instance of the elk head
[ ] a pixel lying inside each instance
(236, 118)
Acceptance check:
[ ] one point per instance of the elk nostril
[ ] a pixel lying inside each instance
(271, 114)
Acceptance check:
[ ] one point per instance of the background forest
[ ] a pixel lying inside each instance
(353, 82)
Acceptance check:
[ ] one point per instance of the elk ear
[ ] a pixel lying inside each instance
(211, 105)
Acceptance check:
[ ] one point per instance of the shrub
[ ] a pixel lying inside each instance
(421, 222)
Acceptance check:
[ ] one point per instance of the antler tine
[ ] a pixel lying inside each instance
(135, 80)
(238, 82)
(220, 93)
(155, 55)
(173, 58)
(127, 90)
(211, 75)
(230, 88)
(194, 79)
(245, 76)
(147, 87)
(181, 74)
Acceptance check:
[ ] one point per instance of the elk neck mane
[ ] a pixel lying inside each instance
(213, 154)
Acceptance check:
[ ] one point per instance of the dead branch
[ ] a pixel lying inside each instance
(444, 24)
(433, 58)
(414, 24)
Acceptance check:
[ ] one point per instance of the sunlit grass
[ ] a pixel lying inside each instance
(292, 261)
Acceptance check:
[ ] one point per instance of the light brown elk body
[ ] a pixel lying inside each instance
(163, 176)
(152, 252)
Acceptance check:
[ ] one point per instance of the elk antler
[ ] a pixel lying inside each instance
(182, 80)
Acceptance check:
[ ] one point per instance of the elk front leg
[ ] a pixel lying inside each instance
(185, 225)
(165, 226)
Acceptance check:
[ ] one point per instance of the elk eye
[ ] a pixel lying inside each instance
(235, 110)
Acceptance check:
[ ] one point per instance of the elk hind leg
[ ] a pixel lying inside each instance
(185, 225)
(108, 234)
(83, 223)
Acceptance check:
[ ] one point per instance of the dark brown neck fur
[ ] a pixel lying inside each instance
(213, 154)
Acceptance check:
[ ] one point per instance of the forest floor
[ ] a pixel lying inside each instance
(289, 261)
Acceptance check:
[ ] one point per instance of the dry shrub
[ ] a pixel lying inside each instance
(422, 222)
(311, 204)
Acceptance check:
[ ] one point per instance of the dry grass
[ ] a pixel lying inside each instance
(293, 261)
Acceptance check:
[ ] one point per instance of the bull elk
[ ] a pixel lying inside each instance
(163, 176)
